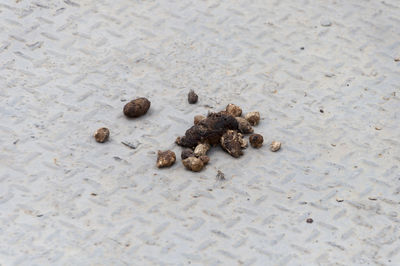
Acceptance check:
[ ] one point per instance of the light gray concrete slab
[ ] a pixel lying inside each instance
(323, 75)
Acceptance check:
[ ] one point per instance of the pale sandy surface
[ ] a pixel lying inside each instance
(67, 69)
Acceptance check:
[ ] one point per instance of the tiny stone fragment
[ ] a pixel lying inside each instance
(192, 97)
(198, 118)
(231, 142)
(101, 135)
(256, 140)
(275, 146)
(186, 153)
(137, 107)
(244, 125)
(253, 118)
(233, 110)
(165, 158)
(309, 220)
(201, 149)
(326, 23)
(193, 164)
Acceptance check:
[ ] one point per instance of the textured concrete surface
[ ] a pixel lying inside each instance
(323, 75)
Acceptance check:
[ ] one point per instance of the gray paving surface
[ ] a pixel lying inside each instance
(68, 67)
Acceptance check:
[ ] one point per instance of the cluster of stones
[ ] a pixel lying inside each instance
(226, 128)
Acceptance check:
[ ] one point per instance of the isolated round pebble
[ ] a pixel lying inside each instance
(275, 146)
(192, 97)
(101, 135)
(256, 140)
(165, 158)
(137, 107)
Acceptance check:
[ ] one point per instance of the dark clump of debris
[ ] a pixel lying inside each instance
(137, 107)
(225, 128)
(208, 130)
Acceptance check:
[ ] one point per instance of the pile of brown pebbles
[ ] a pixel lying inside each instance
(225, 128)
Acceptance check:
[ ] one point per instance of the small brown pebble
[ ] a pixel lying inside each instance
(256, 140)
(321, 111)
(198, 118)
(137, 107)
(165, 158)
(101, 135)
(205, 159)
(201, 149)
(244, 125)
(275, 146)
(233, 110)
(397, 59)
(309, 220)
(192, 97)
(186, 153)
(232, 142)
(193, 164)
(253, 118)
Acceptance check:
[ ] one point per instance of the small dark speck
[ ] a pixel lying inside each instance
(39, 215)
(220, 176)
(117, 158)
(309, 220)
(347, 84)
(15, 142)
(301, 48)
(322, 111)
(93, 194)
